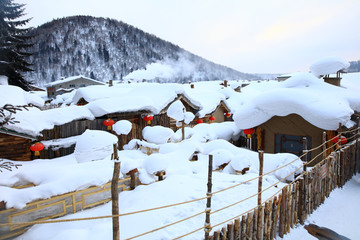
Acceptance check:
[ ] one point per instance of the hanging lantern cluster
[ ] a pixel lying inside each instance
(108, 123)
(199, 121)
(249, 131)
(36, 148)
(148, 118)
(227, 114)
(212, 119)
(343, 140)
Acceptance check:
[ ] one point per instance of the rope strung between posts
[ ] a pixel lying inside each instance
(256, 194)
(252, 179)
(230, 219)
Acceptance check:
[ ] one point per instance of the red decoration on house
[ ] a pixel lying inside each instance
(249, 131)
(212, 119)
(148, 118)
(227, 114)
(108, 123)
(36, 148)
(199, 121)
(343, 140)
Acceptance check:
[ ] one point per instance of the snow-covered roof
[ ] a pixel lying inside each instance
(33, 121)
(69, 79)
(319, 103)
(151, 97)
(328, 65)
(208, 97)
(18, 97)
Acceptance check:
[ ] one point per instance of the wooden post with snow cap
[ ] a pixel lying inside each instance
(115, 194)
(207, 228)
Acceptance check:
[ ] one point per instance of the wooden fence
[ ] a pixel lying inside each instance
(296, 200)
(56, 206)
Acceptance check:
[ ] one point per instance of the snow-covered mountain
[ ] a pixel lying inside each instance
(106, 49)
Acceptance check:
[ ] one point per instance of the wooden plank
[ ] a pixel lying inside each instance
(243, 228)
(282, 213)
(216, 235)
(288, 209)
(230, 231)
(260, 224)
(268, 217)
(254, 223)
(249, 225)
(275, 215)
(223, 233)
(237, 229)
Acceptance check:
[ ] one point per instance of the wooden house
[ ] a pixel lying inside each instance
(285, 134)
(219, 113)
(69, 84)
(189, 107)
(15, 146)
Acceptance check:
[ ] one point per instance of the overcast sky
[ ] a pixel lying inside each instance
(254, 36)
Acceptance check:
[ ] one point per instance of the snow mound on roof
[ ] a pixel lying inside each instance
(94, 145)
(176, 110)
(147, 97)
(34, 120)
(328, 65)
(321, 104)
(18, 97)
(157, 134)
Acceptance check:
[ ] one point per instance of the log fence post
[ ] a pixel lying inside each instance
(305, 158)
(324, 146)
(207, 228)
(357, 158)
(261, 168)
(115, 195)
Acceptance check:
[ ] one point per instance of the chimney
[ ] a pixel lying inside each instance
(110, 83)
(225, 83)
(192, 85)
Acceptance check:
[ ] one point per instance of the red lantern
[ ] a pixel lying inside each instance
(249, 131)
(227, 114)
(212, 119)
(343, 140)
(108, 123)
(199, 121)
(36, 148)
(148, 118)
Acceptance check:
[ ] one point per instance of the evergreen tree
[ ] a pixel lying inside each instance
(13, 43)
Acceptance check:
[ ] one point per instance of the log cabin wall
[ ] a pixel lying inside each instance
(294, 125)
(14, 147)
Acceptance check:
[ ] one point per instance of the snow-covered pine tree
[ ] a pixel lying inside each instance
(13, 43)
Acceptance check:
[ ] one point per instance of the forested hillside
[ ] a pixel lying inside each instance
(106, 49)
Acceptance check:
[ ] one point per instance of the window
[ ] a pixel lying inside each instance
(82, 85)
(290, 144)
(72, 85)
